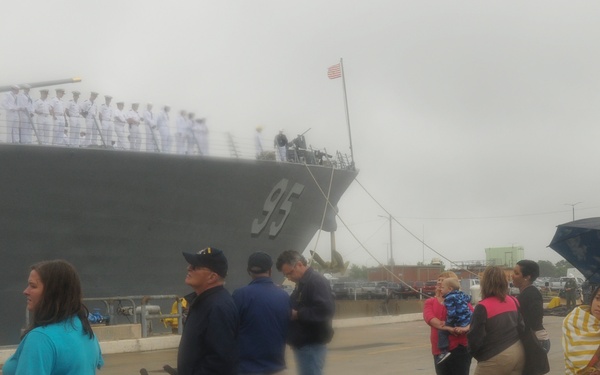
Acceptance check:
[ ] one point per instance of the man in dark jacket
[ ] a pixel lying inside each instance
(570, 293)
(264, 310)
(208, 344)
(312, 312)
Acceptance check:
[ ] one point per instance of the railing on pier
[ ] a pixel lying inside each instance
(136, 307)
(222, 144)
(147, 312)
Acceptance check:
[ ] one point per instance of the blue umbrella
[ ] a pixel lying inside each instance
(579, 243)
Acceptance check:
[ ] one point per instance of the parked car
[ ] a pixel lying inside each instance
(388, 289)
(370, 290)
(426, 287)
(405, 291)
(557, 285)
(430, 287)
(346, 290)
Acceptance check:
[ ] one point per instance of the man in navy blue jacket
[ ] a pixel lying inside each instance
(313, 308)
(264, 310)
(208, 344)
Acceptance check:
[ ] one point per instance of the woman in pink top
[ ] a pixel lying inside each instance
(434, 314)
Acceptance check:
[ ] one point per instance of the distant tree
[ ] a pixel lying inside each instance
(562, 266)
(547, 269)
(358, 272)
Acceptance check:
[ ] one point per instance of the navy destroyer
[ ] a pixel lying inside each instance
(123, 217)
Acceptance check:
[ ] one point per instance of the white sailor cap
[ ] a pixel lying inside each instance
(14, 87)
(75, 92)
(120, 103)
(107, 97)
(94, 93)
(135, 103)
(60, 90)
(25, 86)
(44, 90)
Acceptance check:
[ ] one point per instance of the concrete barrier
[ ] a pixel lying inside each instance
(109, 343)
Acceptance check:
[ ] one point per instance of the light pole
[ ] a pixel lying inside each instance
(391, 251)
(573, 207)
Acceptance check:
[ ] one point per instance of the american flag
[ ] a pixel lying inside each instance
(334, 71)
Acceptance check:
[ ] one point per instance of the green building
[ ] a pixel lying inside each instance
(504, 256)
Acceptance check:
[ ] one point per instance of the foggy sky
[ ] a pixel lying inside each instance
(473, 122)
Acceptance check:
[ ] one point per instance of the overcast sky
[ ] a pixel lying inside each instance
(473, 122)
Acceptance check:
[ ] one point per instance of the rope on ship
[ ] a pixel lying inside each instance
(389, 271)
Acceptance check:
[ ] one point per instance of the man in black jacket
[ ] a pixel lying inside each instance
(312, 312)
(208, 344)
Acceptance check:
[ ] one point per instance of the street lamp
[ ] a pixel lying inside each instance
(573, 207)
(391, 251)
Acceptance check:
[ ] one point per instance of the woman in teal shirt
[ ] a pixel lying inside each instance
(60, 339)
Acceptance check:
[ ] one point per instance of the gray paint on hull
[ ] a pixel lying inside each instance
(123, 218)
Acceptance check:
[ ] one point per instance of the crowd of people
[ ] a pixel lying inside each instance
(246, 332)
(223, 334)
(504, 334)
(78, 123)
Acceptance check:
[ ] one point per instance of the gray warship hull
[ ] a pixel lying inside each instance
(123, 218)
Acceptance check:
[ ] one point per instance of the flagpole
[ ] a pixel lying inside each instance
(347, 112)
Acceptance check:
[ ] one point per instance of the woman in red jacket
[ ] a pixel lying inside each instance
(434, 314)
(493, 338)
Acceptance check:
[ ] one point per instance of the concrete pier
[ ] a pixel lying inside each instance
(383, 345)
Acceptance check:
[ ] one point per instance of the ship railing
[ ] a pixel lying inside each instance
(217, 143)
(141, 312)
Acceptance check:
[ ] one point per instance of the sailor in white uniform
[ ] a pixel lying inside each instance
(41, 107)
(258, 141)
(181, 132)
(134, 119)
(120, 123)
(150, 121)
(162, 122)
(191, 143)
(25, 114)
(57, 111)
(106, 118)
(200, 132)
(89, 110)
(11, 105)
(74, 118)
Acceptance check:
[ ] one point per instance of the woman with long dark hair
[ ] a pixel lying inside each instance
(60, 339)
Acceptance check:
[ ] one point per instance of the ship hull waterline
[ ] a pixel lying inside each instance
(123, 218)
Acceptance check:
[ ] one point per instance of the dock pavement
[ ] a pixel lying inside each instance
(380, 345)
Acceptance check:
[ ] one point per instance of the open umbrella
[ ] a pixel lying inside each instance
(579, 243)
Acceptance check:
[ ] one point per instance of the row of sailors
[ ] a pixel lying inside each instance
(54, 116)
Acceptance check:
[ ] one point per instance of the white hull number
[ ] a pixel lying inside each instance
(275, 199)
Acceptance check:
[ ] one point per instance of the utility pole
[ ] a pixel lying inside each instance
(391, 260)
(573, 207)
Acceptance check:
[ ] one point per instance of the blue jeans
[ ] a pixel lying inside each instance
(310, 359)
(443, 340)
(545, 345)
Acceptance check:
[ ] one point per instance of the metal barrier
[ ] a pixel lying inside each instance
(147, 314)
(222, 144)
